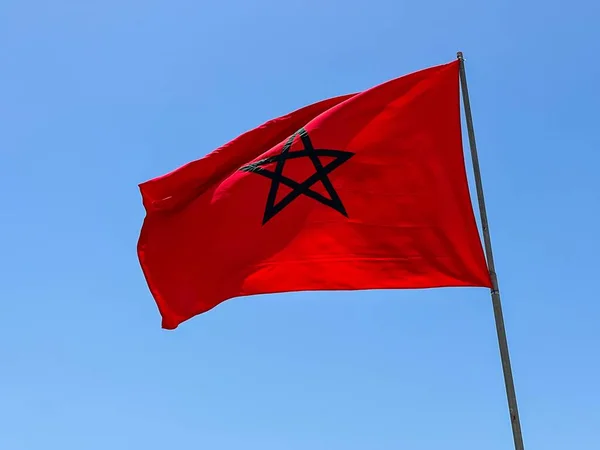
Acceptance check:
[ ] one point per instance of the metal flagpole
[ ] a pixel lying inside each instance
(500, 330)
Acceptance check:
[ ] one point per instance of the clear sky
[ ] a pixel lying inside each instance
(98, 96)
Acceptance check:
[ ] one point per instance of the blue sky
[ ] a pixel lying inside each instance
(98, 96)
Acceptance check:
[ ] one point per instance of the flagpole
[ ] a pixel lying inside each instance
(497, 304)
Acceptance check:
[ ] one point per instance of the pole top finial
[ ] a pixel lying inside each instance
(460, 56)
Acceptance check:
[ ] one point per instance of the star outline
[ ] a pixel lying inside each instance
(300, 188)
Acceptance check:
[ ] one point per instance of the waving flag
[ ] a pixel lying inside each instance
(363, 191)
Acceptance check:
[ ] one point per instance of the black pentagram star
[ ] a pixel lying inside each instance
(304, 188)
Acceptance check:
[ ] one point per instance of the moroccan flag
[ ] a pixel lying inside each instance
(363, 191)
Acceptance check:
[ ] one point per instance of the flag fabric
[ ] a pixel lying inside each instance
(362, 191)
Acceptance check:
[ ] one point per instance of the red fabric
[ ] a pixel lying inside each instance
(409, 220)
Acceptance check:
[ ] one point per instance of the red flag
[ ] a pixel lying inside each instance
(364, 191)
